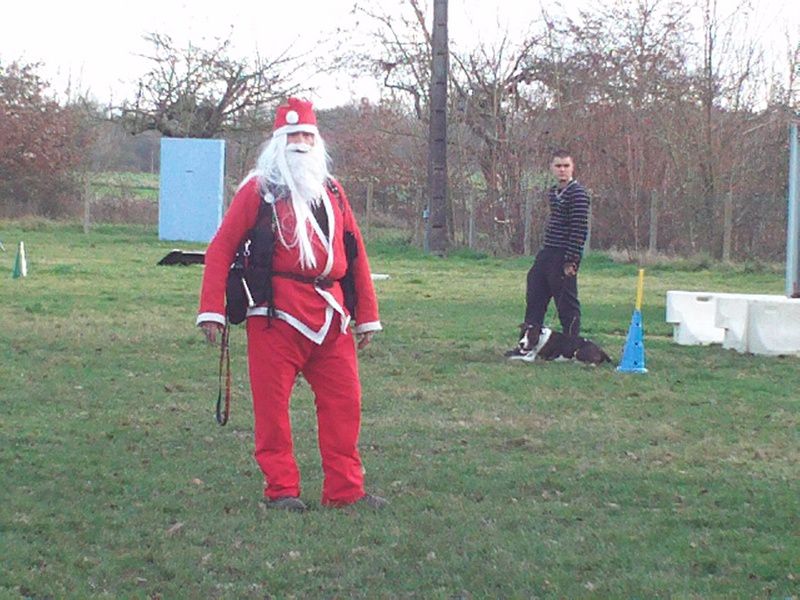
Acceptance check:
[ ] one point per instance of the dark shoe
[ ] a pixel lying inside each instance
(372, 501)
(290, 503)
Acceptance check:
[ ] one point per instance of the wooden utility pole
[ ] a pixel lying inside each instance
(437, 135)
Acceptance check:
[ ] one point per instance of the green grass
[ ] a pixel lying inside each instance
(506, 480)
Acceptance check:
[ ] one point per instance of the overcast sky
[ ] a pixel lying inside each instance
(95, 45)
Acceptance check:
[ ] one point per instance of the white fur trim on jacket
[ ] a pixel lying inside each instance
(365, 327)
(212, 317)
(315, 336)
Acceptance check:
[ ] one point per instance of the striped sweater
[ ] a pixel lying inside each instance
(568, 224)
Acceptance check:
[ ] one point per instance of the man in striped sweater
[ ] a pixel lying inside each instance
(554, 273)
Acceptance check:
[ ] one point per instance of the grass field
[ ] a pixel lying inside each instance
(506, 480)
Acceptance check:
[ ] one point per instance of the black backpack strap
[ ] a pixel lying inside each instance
(264, 209)
(333, 186)
(266, 220)
(347, 282)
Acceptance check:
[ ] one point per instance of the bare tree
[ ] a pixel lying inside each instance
(674, 125)
(494, 103)
(397, 52)
(204, 92)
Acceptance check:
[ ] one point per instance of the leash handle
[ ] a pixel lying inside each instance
(222, 414)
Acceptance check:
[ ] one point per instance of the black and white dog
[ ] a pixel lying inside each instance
(542, 343)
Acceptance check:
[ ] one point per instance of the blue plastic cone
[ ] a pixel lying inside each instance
(633, 353)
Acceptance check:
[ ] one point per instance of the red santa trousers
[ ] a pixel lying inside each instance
(277, 352)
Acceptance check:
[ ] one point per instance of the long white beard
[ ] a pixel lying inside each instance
(307, 171)
(304, 173)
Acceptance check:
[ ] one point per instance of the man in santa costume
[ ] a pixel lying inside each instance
(307, 328)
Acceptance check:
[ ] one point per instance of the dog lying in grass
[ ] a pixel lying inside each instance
(542, 343)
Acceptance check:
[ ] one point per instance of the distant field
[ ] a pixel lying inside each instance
(506, 480)
(125, 185)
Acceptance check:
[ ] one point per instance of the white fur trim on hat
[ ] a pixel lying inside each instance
(287, 129)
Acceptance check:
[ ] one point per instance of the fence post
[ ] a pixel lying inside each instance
(727, 226)
(652, 242)
(370, 189)
(87, 203)
(471, 223)
(527, 221)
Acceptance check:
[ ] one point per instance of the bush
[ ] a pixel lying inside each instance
(41, 147)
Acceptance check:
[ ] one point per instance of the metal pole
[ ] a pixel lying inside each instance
(793, 226)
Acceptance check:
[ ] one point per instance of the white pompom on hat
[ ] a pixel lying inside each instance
(294, 116)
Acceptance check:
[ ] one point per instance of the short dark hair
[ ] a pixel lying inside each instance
(560, 153)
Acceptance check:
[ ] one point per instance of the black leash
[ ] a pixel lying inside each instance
(224, 363)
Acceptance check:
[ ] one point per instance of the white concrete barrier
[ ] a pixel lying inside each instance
(756, 323)
(773, 327)
(692, 318)
(732, 315)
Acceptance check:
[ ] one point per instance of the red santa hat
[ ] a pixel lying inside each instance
(296, 115)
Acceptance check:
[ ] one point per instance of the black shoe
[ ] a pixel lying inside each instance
(290, 503)
(372, 501)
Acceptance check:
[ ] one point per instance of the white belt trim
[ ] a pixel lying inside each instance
(332, 303)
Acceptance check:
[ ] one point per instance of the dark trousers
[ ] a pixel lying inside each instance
(546, 280)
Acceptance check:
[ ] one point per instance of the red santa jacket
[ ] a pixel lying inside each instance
(305, 306)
